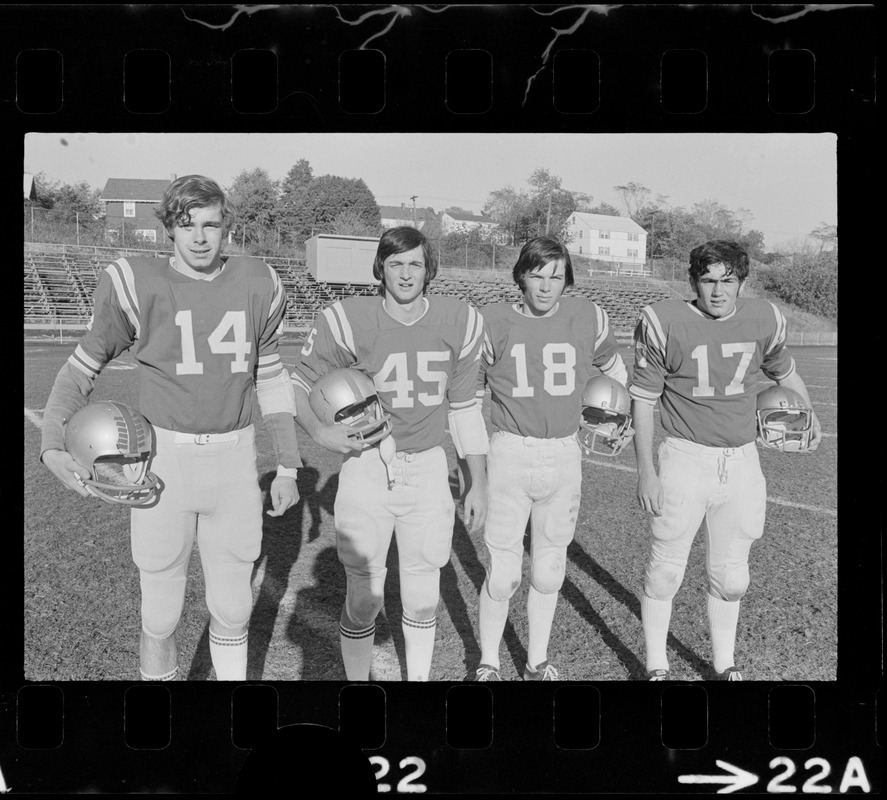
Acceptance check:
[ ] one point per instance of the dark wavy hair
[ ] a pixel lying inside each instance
(536, 253)
(402, 240)
(187, 193)
(718, 251)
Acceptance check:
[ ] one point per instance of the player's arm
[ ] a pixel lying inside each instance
(110, 332)
(328, 346)
(796, 383)
(606, 352)
(274, 394)
(649, 491)
(466, 422)
(647, 384)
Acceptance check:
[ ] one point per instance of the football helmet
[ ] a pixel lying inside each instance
(605, 427)
(785, 421)
(113, 442)
(348, 396)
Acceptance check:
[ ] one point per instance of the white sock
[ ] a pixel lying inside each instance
(228, 655)
(493, 616)
(540, 615)
(723, 617)
(169, 676)
(357, 651)
(418, 639)
(655, 618)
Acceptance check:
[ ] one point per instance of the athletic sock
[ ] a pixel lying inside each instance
(357, 651)
(655, 618)
(228, 655)
(723, 617)
(493, 616)
(418, 639)
(540, 615)
(169, 676)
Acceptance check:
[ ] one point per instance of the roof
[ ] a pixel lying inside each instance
(404, 212)
(469, 217)
(134, 189)
(608, 223)
(30, 187)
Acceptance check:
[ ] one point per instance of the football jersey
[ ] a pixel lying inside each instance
(703, 370)
(201, 344)
(536, 367)
(419, 369)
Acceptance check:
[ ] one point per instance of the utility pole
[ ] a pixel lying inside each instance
(415, 223)
(548, 218)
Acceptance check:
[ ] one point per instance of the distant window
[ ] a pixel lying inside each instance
(632, 237)
(603, 251)
(633, 253)
(580, 249)
(149, 235)
(605, 235)
(129, 209)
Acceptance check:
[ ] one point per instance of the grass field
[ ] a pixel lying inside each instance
(82, 599)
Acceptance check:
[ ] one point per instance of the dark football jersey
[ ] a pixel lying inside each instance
(703, 370)
(419, 369)
(536, 367)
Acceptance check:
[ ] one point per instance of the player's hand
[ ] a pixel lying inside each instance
(650, 494)
(336, 439)
(284, 495)
(474, 508)
(61, 464)
(816, 435)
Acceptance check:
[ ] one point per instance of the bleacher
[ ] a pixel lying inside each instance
(59, 283)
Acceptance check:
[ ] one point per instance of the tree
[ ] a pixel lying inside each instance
(254, 194)
(634, 195)
(826, 236)
(603, 208)
(325, 198)
(351, 223)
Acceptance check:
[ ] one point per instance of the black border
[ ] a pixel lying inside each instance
(630, 40)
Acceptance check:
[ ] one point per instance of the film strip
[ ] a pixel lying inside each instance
(497, 70)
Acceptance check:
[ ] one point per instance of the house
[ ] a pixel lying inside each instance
(616, 240)
(464, 221)
(129, 209)
(402, 215)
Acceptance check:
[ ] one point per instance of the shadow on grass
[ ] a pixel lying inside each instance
(281, 544)
(634, 664)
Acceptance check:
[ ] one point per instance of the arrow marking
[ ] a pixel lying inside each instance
(738, 779)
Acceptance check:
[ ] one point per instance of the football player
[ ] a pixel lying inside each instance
(699, 360)
(422, 354)
(204, 330)
(537, 356)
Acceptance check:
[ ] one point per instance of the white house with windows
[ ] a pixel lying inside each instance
(463, 222)
(403, 215)
(615, 240)
(129, 209)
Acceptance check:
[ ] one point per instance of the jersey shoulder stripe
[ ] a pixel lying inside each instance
(123, 279)
(85, 363)
(340, 327)
(781, 328)
(473, 331)
(651, 327)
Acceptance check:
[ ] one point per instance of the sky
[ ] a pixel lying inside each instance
(788, 182)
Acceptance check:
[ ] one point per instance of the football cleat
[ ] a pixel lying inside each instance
(543, 672)
(348, 397)
(730, 674)
(657, 675)
(605, 427)
(785, 421)
(113, 443)
(487, 673)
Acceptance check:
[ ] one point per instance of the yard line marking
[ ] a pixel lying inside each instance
(608, 465)
(778, 501)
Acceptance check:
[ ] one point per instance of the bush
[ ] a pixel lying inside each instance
(807, 282)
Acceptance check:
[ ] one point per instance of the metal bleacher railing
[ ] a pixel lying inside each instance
(59, 281)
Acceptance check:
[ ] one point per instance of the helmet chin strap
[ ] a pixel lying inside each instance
(387, 449)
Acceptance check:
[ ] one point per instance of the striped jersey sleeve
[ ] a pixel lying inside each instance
(269, 363)
(777, 364)
(648, 377)
(462, 389)
(330, 345)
